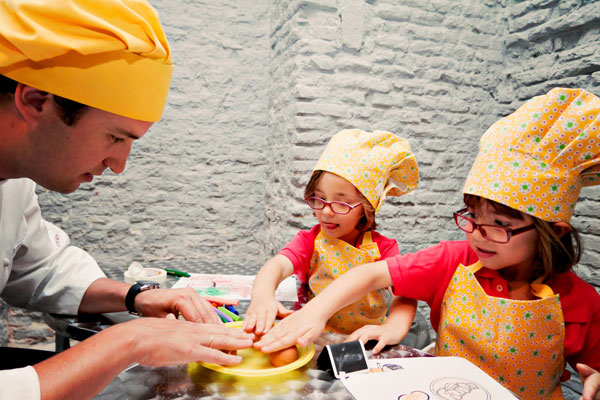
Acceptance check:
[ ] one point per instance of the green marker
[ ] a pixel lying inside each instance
(229, 314)
(176, 273)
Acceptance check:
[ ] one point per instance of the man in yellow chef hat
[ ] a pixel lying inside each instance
(79, 82)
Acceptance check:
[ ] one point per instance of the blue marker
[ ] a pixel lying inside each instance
(232, 309)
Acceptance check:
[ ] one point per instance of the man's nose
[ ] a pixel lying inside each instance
(118, 160)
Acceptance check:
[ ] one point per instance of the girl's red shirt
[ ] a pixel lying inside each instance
(412, 277)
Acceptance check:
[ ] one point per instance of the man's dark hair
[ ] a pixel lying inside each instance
(68, 110)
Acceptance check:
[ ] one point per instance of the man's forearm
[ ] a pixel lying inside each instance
(104, 295)
(83, 370)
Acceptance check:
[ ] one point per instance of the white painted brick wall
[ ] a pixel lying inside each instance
(260, 86)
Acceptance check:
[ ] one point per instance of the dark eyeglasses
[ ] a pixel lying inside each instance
(338, 207)
(493, 233)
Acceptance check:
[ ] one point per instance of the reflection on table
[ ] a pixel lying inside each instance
(195, 381)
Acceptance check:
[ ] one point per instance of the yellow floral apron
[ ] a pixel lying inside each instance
(332, 258)
(520, 343)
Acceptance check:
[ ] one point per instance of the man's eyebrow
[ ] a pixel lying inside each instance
(127, 133)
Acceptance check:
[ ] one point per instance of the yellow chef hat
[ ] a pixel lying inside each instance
(377, 163)
(537, 159)
(108, 54)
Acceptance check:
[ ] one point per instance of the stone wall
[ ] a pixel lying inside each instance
(549, 44)
(260, 86)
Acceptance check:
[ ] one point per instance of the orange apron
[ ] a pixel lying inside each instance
(520, 343)
(332, 258)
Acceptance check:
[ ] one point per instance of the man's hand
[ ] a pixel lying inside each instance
(169, 341)
(187, 302)
(149, 341)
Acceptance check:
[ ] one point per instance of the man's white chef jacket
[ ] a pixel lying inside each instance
(39, 270)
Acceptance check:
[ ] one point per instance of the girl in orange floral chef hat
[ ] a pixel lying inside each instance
(355, 173)
(505, 298)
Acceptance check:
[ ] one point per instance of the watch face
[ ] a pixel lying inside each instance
(149, 284)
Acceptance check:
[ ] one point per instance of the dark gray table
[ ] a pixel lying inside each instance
(192, 381)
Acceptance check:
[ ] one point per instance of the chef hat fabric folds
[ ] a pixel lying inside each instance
(378, 164)
(110, 54)
(537, 159)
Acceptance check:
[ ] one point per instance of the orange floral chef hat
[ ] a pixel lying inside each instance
(537, 159)
(378, 164)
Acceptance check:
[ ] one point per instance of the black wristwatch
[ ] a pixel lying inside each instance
(134, 290)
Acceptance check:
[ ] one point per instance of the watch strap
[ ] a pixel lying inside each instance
(136, 289)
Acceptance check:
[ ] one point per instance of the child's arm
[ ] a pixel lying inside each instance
(263, 306)
(305, 325)
(591, 382)
(393, 330)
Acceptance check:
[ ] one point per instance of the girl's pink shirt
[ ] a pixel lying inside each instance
(412, 277)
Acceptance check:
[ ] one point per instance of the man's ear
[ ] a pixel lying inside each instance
(30, 101)
(561, 228)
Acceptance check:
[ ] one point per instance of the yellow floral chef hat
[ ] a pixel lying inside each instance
(537, 159)
(108, 54)
(377, 163)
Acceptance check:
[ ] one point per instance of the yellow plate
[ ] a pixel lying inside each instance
(256, 363)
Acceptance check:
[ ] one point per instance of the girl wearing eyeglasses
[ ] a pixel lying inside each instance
(506, 298)
(354, 174)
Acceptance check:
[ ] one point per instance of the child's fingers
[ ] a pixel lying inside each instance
(262, 322)
(282, 311)
(308, 338)
(365, 334)
(379, 346)
(591, 388)
(584, 370)
(276, 339)
(249, 322)
(357, 335)
(269, 323)
(591, 382)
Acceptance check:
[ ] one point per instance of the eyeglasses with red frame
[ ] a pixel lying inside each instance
(493, 233)
(338, 207)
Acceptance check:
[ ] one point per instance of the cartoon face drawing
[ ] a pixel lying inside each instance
(416, 395)
(458, 389)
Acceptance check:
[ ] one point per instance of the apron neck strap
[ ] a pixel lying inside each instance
(474, 267)
(541, 290)
(367, 239)
(538, 289)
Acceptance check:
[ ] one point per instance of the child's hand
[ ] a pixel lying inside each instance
(261, 315)
(384, 334)
(300, 328)
(591, 382)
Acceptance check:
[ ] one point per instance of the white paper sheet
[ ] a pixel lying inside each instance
(425, 378)
(235, 287)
